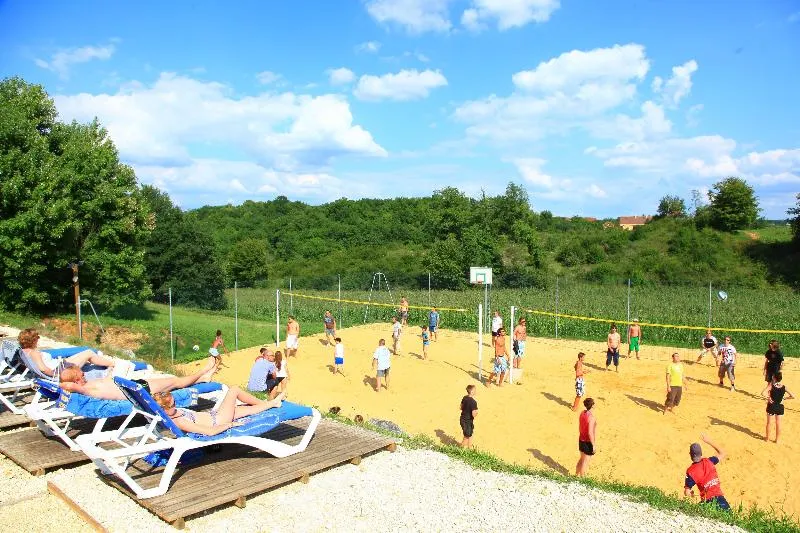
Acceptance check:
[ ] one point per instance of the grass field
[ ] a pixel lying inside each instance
(771, 309)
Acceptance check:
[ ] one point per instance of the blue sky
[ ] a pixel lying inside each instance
(596, 108)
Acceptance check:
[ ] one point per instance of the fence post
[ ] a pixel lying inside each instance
(629, 309)
(556, 307)
(291, 297)
(278, 318)
(171, 341)
(480, 342)
(236, 315)
(429, 289)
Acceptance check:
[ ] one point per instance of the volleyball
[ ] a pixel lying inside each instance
(722, 295)
(196, 348)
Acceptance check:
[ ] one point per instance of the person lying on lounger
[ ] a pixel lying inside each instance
(218, 420)
(73, 380)
(47, 364)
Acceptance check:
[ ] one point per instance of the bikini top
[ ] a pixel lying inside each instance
(184, 412)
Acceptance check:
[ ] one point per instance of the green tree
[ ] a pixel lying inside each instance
(671, 206)
(179, 256)
(64, 195)
(247, 263)
(444, 261)
(733, 205)
(796, 221)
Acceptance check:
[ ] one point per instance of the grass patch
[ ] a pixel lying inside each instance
(750, 519)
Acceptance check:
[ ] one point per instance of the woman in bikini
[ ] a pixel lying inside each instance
(218, 420)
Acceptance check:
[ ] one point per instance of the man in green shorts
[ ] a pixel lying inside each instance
(634, 335)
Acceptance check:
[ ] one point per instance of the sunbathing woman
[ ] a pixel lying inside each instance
(47, 364)
(73, 380)
(218, 420)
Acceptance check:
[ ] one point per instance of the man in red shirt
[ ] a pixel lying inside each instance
(703, 473)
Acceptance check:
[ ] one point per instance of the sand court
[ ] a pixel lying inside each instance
(532, 423)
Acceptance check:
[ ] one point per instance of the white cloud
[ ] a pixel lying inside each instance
(653, 123)
(596, 192)
(678, 85)
(63, 60)
(575, 89)
(531, 171)
(341, 76)
(693, 115)
(405, 85)
(416, 16)
(507, 13)
(268, 77)
(370, 47)
(157, 123)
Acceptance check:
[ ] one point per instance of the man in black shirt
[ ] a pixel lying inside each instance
(774, 360)
(469, 410)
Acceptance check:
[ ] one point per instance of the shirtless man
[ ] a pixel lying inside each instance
(612, 352)
(520, 336)
(580, 386)
(73, 380)
(634, 337)
(47, 364)
(403, 311)
(292, 336)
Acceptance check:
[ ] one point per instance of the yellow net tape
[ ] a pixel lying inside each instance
(673, 326)
(296, 295)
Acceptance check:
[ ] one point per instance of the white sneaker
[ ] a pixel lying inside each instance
(733, 389)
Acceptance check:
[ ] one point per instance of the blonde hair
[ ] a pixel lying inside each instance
(164, 399)
(70, 374)
(28, 338)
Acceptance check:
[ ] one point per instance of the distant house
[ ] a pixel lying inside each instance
(629, 223)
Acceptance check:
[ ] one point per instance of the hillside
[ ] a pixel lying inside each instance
(446, 233)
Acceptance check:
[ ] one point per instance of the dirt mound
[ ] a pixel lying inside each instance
(115, 336)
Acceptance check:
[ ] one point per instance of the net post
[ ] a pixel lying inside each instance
(709, 304)
(556, 307)
(236, 315)
(480, 343)
(278, 318)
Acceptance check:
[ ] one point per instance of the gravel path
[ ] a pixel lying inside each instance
(410, 490)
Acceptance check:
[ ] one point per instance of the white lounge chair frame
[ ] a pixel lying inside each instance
(15, 380)
(147, 439)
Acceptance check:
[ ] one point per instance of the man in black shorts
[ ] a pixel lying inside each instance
(469, 410)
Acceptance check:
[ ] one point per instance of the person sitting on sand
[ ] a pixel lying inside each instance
(217, 420)
(587, 434)
(775, 393)
(73, 380)
(703, 473)
(47, 364)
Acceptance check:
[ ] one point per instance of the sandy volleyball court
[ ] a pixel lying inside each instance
(532, 423)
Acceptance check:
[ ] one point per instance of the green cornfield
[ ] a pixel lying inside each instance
(756, 309)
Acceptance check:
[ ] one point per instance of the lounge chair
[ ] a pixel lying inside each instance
(54, 410)
(15, 378)
(155, 437)
(132, 369)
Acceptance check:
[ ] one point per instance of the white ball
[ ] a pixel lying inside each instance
(196, 348)
(722, 295)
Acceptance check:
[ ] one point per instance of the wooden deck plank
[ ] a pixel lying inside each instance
(34, 452)
(9, 420)
(235, 473)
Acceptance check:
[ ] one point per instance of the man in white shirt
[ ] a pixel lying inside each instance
(381, 361)
(397, 329)
(727, 363)
(497, 323)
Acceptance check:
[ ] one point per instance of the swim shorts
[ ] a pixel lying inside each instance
(519, 348)
(291, 342)
(586, 447)
(338, 360)
(633, 345)
(467, 426)
(579, 387)
(384, 372)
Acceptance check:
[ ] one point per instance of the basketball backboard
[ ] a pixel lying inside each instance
(480, 275)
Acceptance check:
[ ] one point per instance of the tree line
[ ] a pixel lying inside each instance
(66, 197)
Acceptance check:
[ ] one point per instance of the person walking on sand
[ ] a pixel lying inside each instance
(292, 336)
(612, 351)
(587, 435)
(469, 411)
(433, 323)
(397, 330)
(709, 344)
(580, 386)
(727, 363)
(338, 356)
(773, 360)
(634, 337)
(675, 383)
(500, 359)
(520, 336)
(426, 340)
(330, 327)
(403, 311)
(775, 393)
(703, 473)
(382, 363)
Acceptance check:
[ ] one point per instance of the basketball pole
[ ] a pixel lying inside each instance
(480, 343)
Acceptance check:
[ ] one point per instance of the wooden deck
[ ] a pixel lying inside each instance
(36, 453)
(237, 472)
(10, 420)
